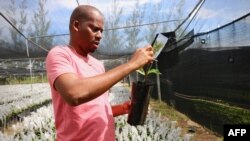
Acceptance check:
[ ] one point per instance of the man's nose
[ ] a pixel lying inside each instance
(99, 35)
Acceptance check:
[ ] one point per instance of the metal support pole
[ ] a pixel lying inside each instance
(28, 55)
(27, 48)
(30, 65)
(158, 82)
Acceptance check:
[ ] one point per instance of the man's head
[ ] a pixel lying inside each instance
(86, 26)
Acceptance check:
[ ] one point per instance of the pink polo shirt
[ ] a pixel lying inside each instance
(91, 121)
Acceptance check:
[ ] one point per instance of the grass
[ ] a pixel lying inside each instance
(26, 80)
(213, 114)
(188, 126)
(167, 110)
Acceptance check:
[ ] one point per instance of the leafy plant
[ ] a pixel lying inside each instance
(158, 45)
(151, 71)
(148, 71)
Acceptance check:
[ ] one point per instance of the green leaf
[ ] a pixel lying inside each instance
(141, 71)
(154, 71)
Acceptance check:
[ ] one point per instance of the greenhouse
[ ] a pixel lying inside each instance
(201, 66)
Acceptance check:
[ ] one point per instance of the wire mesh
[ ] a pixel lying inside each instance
(28, 42)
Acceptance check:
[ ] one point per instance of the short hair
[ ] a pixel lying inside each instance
(82, 12)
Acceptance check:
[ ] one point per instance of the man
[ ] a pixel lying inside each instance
(79, 83)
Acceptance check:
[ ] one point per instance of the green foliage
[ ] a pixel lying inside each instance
(151, 71)
(157, 46)
(147, 72)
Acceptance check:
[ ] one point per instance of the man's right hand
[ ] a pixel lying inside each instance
(142, 56)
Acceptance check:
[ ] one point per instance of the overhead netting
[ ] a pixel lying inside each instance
(29, 29)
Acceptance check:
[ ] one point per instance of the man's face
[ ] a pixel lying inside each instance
(89, 33)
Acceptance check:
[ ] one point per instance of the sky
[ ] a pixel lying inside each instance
(65, 7)
(212, 14)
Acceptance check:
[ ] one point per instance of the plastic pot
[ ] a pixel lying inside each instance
(140, 97)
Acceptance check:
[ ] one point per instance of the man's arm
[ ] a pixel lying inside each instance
(75, 90)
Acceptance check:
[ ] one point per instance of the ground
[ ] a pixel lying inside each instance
(199, 133)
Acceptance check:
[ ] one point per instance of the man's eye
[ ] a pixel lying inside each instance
(95, 29)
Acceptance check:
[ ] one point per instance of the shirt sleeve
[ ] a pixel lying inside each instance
(58, 62)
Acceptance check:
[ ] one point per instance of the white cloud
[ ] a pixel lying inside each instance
(54, 4)
(207, 13)
(102, 5)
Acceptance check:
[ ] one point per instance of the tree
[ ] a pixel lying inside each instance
(112, 39)
(18, 18)
(159, 14)
(152, 29)
(133, 37)
(167, 14)
(41, 26)
(179, 9)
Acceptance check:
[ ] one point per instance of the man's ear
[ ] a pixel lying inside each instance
(76, 25)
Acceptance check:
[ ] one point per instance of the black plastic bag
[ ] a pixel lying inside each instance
(140, 97)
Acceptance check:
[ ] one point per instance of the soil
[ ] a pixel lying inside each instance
(198, 132)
